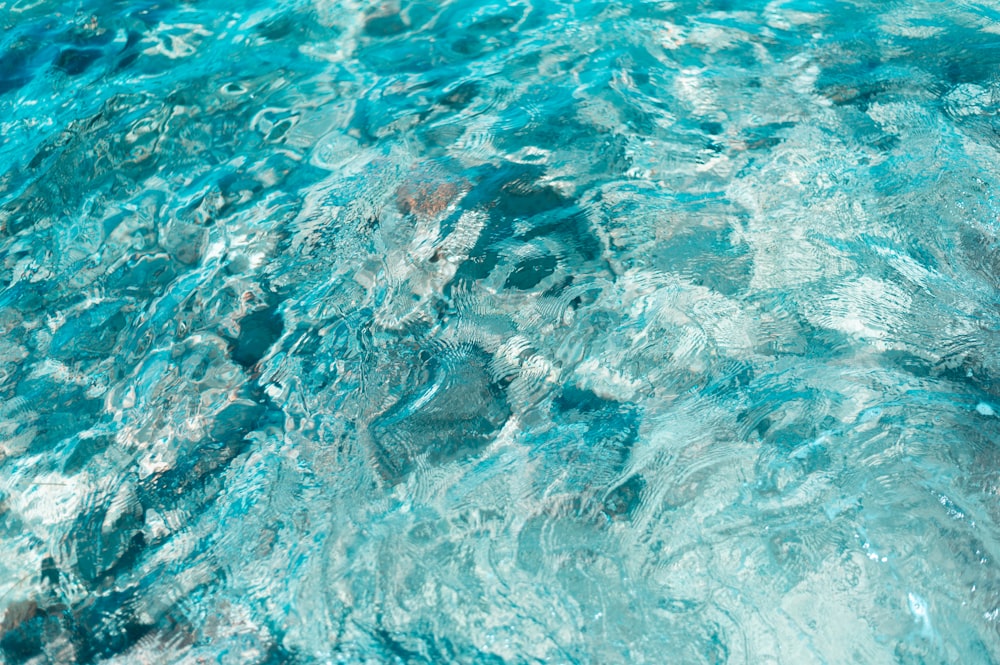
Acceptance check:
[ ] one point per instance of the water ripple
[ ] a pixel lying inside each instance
(498, 332)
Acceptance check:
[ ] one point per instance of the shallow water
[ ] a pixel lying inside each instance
(500, 332)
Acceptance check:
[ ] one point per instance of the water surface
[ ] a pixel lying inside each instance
(533, 331)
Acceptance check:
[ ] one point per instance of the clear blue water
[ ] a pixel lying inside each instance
(532, 331)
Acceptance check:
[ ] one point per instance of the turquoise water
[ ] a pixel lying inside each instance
(533, 331)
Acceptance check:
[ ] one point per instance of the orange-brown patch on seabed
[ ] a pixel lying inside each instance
(426, 198)
(17, 613)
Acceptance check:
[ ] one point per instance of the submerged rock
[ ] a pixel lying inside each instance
(590, 445)
(454, 414)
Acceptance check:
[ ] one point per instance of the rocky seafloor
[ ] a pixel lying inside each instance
(521, 332)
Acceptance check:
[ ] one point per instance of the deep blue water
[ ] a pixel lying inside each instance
(532, 331)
